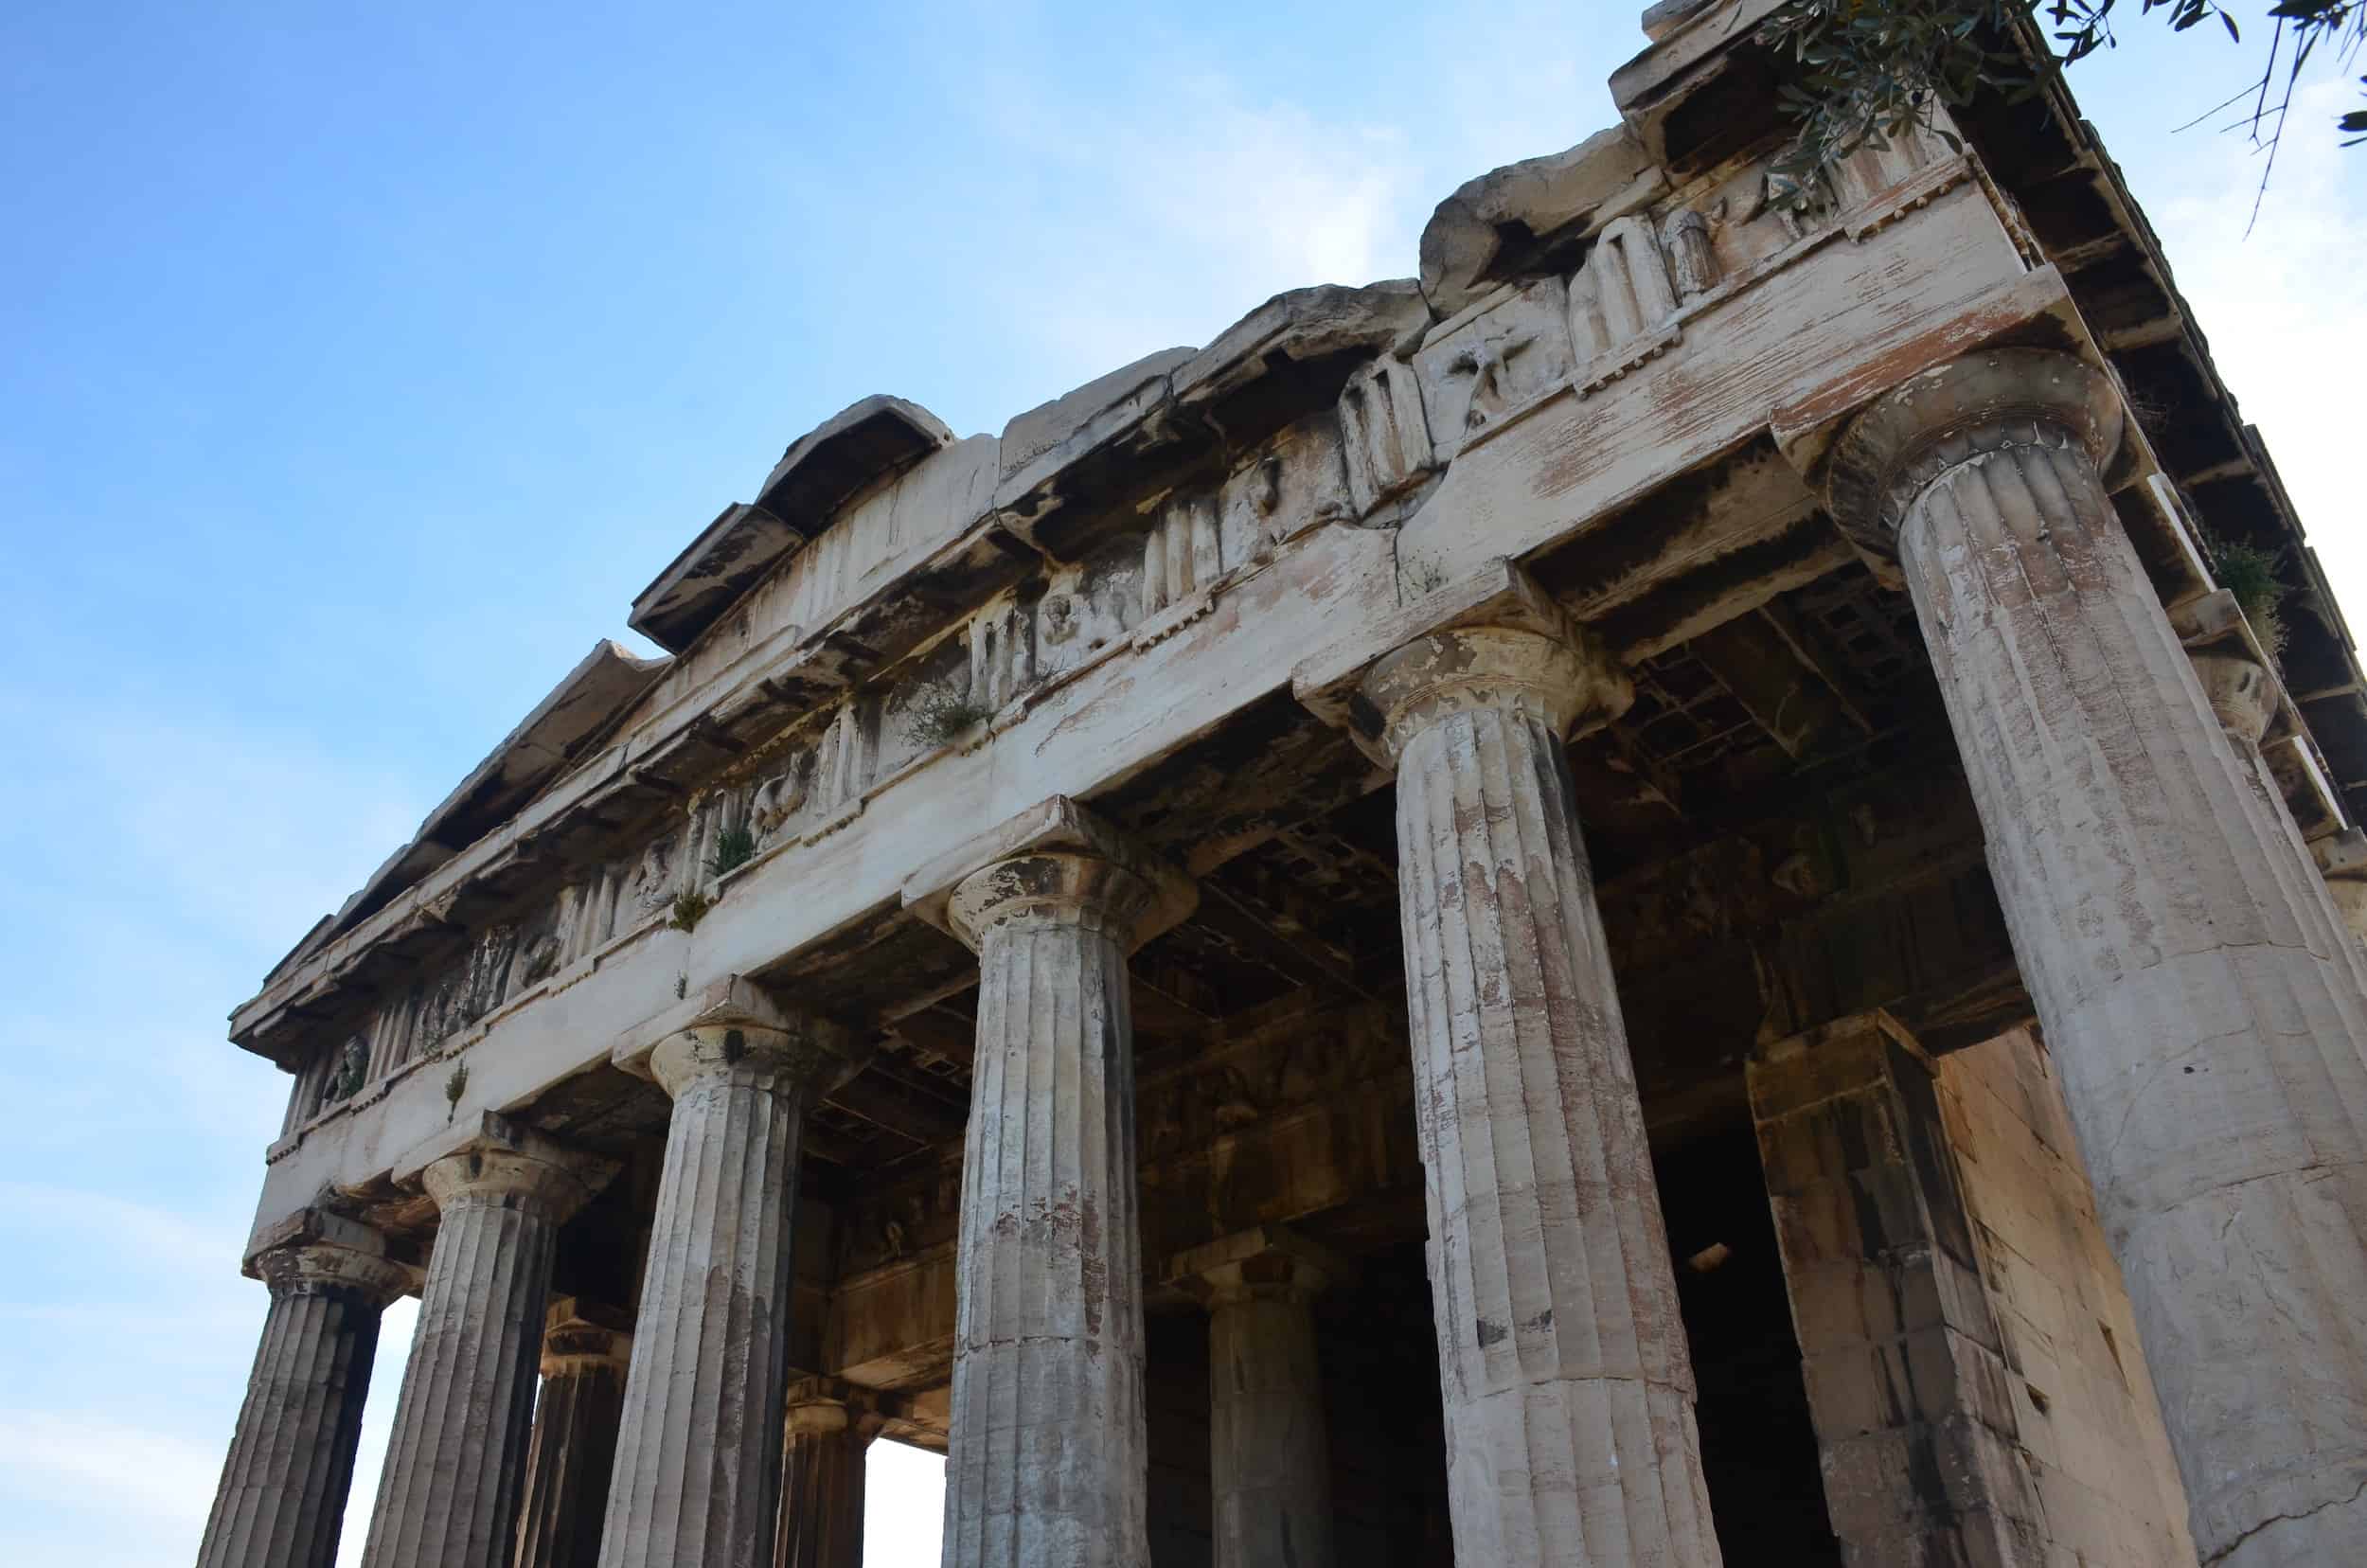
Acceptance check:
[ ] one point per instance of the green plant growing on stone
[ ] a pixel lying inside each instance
(455, 1086)
(2249, 573)
(682, 984)
(941, 714)
(689, 909)
(733, 849)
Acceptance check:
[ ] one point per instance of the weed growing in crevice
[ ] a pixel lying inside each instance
(941, 714)
(733, 849)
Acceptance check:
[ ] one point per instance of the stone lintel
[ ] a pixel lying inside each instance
(1500, 594)
(1057, 825)
(572, 1175)
(1262, 1260)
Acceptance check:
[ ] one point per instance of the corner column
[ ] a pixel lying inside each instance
(585, 1347)
(281, 1502)
(698, 1456)
(1567, 1385)
(829, 1433)
(2176, 941)
(1269, 1451)
(456, 1463)
(1907, 1381)
(1048, 1467)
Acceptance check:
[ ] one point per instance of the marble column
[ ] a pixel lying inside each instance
(585, 1347)
(1568, 1386)
(1918, 1438)
(2207, 1030)
(455, 1462)
(1268, 1450)
(822, 1480)
(283, 1497)
(698, 1458)
(1047, 1460)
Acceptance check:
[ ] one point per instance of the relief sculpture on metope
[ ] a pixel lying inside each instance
(1497, 356)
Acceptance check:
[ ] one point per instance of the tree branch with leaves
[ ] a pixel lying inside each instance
(1873, 70)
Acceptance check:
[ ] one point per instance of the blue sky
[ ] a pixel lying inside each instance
(358, 364)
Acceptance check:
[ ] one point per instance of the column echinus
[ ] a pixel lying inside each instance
(699, 1455)
(282, 1498)
(1568, 1386)
(1047, 1465)
(2207, 1032)
(455, 1461)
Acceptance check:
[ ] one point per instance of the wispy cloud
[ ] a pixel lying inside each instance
(100, 1467)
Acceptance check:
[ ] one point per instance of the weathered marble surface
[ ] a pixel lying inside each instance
(455, 1461)
(2178, 946)
(1567, 1385)
(699, 1452)
(281, 1502)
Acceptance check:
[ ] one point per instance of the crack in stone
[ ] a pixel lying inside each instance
(2229, 1550)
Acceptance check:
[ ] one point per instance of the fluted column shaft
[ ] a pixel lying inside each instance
(1568, 1387)
(455, 1462)
(2207, 1025)
(1270, 1460)
(822, 1485)
(575, 1420)
(1048, 1461)
(699, 1459)
(281, 1502)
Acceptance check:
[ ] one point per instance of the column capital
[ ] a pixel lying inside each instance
(1953, 412)
(579, 1336)
(1055, 863)
(737, 1028)
(491, 1159)
(1266, 1262)
(316, 1253)
(1476, 625)
(1562, 681)
(831, 1413)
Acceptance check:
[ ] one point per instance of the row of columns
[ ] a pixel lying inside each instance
(2189, 968)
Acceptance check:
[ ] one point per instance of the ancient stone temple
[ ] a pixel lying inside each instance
(1640, 903)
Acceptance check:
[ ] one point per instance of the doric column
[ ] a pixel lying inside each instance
(2207, 1030)
(455, 1462)
(283, 1497)
(829, 1433)
(1269, 1454)
(1568, 1390)
(1048, 1467)
(698, 1458)
(1907, 1381)
(585, 1347)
